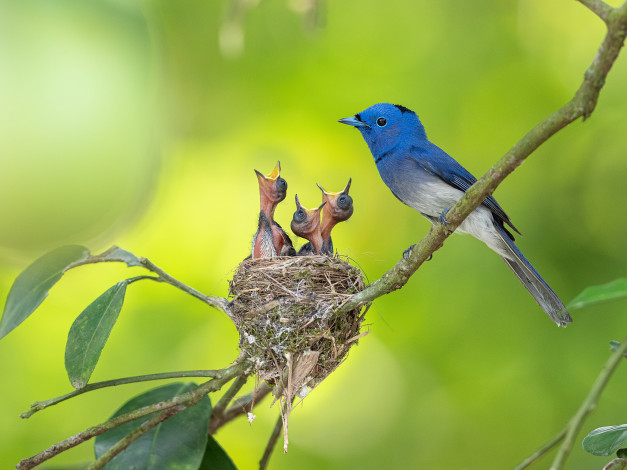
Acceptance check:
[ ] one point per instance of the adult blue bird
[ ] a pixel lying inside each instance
(427, 179)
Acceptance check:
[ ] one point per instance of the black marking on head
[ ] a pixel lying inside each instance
(403, 109)
(358, 117)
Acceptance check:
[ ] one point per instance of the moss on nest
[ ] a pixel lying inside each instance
(284, 310)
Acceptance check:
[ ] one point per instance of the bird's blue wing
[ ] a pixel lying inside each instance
(436, 161)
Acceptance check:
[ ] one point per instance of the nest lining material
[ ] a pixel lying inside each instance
(283, 309)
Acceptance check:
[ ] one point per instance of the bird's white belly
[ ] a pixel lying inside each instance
(431, 196)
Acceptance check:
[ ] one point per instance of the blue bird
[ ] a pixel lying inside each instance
(427, 179)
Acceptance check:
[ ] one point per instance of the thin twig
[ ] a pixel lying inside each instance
(569, 433)
(130, 280)
(186, 399)
(588, 405)
(542, 450)
(40, 405)
(215, 302)
(224, 401)
(133, 436)
(116, 254)
(239, 407)
(582, 105)
(274, 437)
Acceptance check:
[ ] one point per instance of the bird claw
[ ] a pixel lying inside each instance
(442, 218)
(408, 251)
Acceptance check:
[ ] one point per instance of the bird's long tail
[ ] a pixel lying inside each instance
(533, 282)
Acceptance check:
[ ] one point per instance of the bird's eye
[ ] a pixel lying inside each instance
(381, 122)
(300, 215)
(281, 184)
(344, 201)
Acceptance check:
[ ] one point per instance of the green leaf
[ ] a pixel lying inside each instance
(90, 332)
(31, 287)
(621, 453)
(596, 294)
(605, 441)
(215, 457)
(177, 443)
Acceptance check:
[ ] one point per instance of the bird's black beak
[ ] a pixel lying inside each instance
(353, 121)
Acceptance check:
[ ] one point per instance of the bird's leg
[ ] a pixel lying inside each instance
(442, 218)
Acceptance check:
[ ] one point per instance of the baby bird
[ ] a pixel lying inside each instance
(339, 207)
(270, 240)
(306, 224)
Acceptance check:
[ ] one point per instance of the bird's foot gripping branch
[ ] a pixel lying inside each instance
(427, 179)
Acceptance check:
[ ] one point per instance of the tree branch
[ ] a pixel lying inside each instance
(588, 405)
(582, 105)
(185, 400)
(40, 405)
(239, 407)
(235, 387)
(133, 436)
(542, 450)
(117, 254)
(215, 302)
(569, 433)
(274, 437)
(598, 7)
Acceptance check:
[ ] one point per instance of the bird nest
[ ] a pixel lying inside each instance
(284, 309)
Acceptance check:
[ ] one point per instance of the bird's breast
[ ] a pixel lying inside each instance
(420, 190)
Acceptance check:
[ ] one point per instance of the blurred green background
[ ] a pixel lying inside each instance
(140, 125)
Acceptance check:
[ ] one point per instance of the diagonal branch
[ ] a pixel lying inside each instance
(117, 254)
(185, 400)
(582, 105)
(588, 405)
(240, 406)
(274, 437)
(216, 302)
(138, 432)
(569, 433)
(238, 383)
(598, 7)
(40, 405)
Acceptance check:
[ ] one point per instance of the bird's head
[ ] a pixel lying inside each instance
(272, 188)
(385, 126)
(306, 222)
(339, 206)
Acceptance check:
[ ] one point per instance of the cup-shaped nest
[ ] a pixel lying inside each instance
(284, 309)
